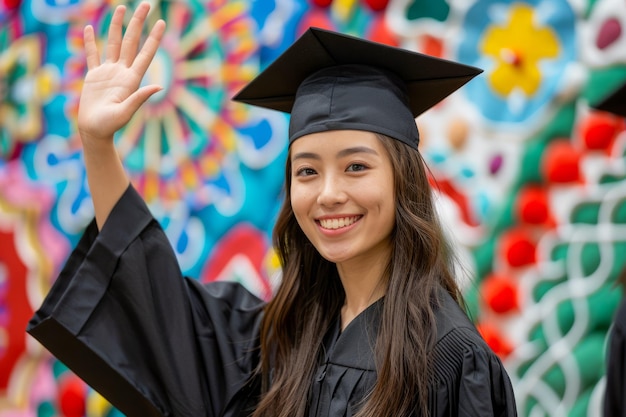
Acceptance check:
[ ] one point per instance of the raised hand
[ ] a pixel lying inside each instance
(111, 92)
(111, 95)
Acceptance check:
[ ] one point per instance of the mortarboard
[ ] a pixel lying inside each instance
(330, 81)
(615, 102)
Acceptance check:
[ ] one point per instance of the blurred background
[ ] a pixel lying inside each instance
(530, 179)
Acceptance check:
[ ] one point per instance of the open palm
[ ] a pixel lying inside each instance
(111, 93)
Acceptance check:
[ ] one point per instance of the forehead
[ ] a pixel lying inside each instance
(336, 140)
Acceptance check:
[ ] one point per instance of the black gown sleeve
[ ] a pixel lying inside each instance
(475, 383)
(614, 397)
(153, 343)
(470, 379)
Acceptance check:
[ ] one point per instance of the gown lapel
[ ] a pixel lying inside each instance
(347, 369)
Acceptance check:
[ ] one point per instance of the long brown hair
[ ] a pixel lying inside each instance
(310, 298)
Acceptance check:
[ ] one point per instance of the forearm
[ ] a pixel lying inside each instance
(111, 94)
(106, 176)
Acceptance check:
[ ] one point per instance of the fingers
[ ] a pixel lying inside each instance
(124, 47)
(135, 100)
(91, 50)
(115, 34)
(149, 48)
(132, 37)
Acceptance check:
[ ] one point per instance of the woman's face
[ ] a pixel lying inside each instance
(342, 194)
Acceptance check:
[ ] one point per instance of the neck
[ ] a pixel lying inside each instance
(363, 285)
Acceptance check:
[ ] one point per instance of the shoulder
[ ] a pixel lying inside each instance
(451, 320)
(467, 375)
(459, 347)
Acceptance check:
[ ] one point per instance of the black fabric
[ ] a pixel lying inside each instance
(123, 318)
(399, 86)
(429, 79)
(347, 370)
(469, 378)
(156, 344)
(615, 394)
(353, 97)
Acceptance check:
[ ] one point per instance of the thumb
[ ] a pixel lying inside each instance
(136, 100)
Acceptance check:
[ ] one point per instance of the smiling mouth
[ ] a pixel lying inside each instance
(333, 224)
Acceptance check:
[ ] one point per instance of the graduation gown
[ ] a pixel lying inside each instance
(615, 398)
(154, 343)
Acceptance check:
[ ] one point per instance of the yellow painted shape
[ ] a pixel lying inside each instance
(518, 47)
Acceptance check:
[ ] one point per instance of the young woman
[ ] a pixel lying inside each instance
(366, 321)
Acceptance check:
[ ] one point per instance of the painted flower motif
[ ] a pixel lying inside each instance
(527, 50)
(176, 145)
(518, 47)
(201, 162)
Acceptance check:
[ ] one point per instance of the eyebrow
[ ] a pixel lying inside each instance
(342, 153)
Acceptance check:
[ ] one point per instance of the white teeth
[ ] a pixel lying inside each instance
(337, 223)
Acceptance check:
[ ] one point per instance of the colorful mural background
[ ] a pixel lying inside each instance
(531, 180)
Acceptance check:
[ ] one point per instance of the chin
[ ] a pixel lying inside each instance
(334, 258)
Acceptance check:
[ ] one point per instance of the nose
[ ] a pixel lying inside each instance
(331, 192)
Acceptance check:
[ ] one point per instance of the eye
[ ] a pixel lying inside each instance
(356, 167)
(305, 172)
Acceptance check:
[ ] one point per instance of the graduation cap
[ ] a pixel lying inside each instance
(332, 81)
(614, 102)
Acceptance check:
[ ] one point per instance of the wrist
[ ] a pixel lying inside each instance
(96, 144)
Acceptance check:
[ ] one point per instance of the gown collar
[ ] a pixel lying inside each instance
(354, 346)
